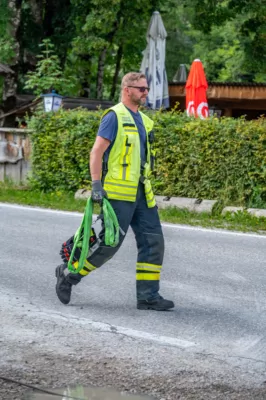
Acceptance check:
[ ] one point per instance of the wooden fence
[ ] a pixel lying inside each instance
(15, 150)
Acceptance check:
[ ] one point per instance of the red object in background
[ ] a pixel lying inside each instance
(196, 87)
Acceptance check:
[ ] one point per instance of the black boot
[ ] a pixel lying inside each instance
(159, 304)
(63, 287)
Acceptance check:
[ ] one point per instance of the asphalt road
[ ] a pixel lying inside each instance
(217, 280)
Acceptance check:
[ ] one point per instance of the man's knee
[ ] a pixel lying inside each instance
(151, 247)
(103, 254)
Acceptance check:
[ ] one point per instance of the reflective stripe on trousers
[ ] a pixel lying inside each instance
(147, 228)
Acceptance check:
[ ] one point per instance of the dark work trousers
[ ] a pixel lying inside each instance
(147, 228)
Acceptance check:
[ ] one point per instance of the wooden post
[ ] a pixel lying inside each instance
(15, 154)
(228, 112)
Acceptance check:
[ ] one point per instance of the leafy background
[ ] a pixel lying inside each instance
(97, 41)
(222, 159)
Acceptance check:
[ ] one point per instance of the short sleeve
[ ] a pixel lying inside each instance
(108, 126)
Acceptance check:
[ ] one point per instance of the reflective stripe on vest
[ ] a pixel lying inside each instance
(122, 179)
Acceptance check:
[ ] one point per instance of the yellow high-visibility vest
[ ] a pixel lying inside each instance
(124, 163)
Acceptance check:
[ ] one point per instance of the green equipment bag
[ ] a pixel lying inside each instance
(83, 242)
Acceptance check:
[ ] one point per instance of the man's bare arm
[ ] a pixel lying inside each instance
(96, 157)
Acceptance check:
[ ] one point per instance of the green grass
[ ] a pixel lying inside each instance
(56, 200)
(240, 221)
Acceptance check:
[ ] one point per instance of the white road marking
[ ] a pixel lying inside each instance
(234, 276)
(39, 209)
(167, 225)
(120, 330)
(165, 340)
(209, 230)
(9, 302)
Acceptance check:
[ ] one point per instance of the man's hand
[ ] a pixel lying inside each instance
(98, 193)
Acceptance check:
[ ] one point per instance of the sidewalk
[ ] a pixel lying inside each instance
(190, 204)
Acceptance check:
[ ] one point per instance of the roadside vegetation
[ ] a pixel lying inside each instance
(60, 200)
(204, 159)
(220, 159)
(97, 43)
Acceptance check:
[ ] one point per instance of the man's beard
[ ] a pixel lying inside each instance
(139, 102)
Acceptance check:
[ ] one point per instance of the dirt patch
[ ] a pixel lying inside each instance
(48, 370)
(50, 350)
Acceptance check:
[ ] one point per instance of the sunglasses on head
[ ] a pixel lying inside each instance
(141, 88)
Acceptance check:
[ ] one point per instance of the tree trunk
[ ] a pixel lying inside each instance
(86, 84)
(101, 63)
(10, 83)
(102, 57)
(119, 56)
(37, 11)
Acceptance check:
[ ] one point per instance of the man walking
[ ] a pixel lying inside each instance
(121, 162)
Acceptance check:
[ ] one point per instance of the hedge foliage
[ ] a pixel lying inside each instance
(221, 159)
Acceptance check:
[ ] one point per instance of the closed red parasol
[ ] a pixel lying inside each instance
(196, 87)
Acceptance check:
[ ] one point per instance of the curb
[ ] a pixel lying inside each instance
(187, 203)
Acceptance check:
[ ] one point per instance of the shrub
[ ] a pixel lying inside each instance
(61, 146)
(221, 159)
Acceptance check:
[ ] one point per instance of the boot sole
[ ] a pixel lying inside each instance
(154, 308)
(57, 273)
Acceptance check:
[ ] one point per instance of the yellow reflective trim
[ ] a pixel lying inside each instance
(132, 131)
(83, 272)
(120, 190)
(127, 175)
(149, 192)
(149, 201)
(88, 265)
(75, 264)
(147, 277)
(131, 186)
(119, 155)
(120, 197)
(125, 159)
(120, 194)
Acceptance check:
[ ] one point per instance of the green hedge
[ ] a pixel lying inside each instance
(61, 147)
(221, 159)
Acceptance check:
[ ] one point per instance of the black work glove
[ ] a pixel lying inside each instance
(98, 193)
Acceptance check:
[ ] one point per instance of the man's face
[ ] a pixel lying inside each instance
(138, 92)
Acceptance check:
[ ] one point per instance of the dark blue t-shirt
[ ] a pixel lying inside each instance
(108, 130)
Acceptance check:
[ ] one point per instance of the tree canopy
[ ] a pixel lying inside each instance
(96, 41)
